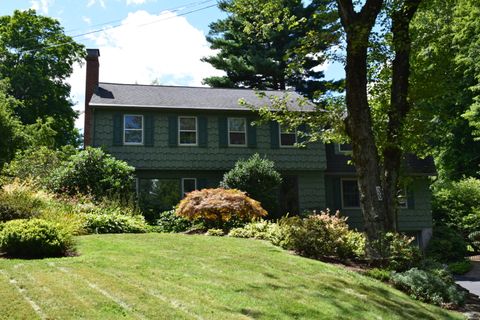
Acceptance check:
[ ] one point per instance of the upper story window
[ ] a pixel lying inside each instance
(288, 137)
(187, 131)
(402, 198)
(350, 194)
(132, 129)
(237, 131)
(345, 148)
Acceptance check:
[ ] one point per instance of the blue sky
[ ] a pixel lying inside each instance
(157, 39)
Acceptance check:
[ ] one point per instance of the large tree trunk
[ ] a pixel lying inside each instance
(399, 107)
(358, 27)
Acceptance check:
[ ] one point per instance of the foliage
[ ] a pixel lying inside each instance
(383, 275)
(37, 58)
(219, 206)
(92, 171)
(258, 178)
(215, 232)
(460, 267)
(37, 164)
(35, 238)
(18, 202)
(446, 245)
(397, 252)
(428, 287)
(100, 221)
(263, 230)
(254, 57)
(319, 236)
(169, 221)
(474, 238)
(457, 205)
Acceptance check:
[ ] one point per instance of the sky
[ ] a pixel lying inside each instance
(157, 40)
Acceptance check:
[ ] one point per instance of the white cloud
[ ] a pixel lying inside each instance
(167, 50)
(87, 20)
(129, 2)
(92, 2)
(41, 6)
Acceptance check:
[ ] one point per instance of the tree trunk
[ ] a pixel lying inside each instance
(399, 107)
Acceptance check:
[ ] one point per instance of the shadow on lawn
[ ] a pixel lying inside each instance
(328, 294)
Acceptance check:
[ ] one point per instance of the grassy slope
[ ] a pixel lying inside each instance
(194, 277)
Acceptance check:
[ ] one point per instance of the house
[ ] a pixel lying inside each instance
(185, 138)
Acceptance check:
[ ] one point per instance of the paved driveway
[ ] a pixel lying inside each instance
(471, 280)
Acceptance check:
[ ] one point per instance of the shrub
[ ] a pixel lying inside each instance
(460, 267)
(355, 244)
(446, 245)
(474, 238)
(168, 221)
(218, 206)
(35, 238)
(258, 178)
(318, 236)
(457, 205)
(428, 287)
(263, 230)
(37, 164)
(383, 275)
(397, 251)
(98, 222)
(215, 232)
(18, 201)
(94, 172)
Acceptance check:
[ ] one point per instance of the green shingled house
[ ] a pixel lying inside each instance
(185, 138)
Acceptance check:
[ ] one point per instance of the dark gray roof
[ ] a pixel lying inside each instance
(176, 97)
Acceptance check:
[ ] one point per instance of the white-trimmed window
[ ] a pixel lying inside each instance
(288, 137)
(350, 194)
(188, 185)
(132, 129)
(187, 131)
(402, 198)
(237, 132)
(344, 148)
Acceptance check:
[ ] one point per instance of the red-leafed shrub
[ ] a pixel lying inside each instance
(219, 206)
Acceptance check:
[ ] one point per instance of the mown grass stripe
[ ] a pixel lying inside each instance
(22, 292)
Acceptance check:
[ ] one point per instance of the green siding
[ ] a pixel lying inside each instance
(311, 191)
(412, 219)
(164, 156)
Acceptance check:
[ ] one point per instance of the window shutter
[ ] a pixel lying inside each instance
(251, 134)
(149, 130)
(304, 129)
(274, 135)
(201, 183)
(222, 132)
(410, 198)
(117, 129)
(202, 132)
(337, 193)
(172, 131)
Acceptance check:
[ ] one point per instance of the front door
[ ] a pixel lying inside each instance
(289, 196)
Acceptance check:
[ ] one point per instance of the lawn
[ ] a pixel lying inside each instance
(171, 276)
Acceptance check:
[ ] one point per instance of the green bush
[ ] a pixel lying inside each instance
(319, 236)
(263, 230)
(94, 172)
(460, 267)
(383, 275)
(397, 252)
(215, 232)
(428, 287)
(258, 178)
(474, 238)
(168, 221)
(35, 238)
(19, 203)
(446, 245)
(98, 222)
(457, 205)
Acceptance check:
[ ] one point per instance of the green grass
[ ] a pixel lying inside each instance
(169, 276)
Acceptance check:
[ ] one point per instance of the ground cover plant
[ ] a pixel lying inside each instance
(176, 276)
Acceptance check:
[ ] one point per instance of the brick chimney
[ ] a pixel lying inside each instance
(91, 84)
